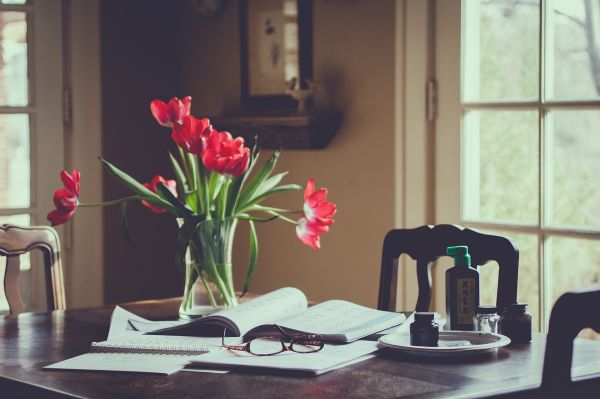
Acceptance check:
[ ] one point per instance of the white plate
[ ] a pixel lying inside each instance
(451, 343)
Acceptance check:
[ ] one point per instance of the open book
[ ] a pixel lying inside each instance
(335, 320)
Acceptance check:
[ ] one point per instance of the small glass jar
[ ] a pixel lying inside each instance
(515, 323)
(424, 331)
(486, 319)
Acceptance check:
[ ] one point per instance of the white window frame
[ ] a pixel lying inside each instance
(452, 109)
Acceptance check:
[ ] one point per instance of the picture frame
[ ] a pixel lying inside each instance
(276, 46)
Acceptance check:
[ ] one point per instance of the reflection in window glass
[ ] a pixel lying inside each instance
(528, 290)
(13, 1)
(500, 51)
(575, 167)
(500, 166)
(14, 85)
(575, 264)
(574, 49)
(14, 161)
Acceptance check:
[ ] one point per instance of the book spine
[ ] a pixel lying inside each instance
(107, 347)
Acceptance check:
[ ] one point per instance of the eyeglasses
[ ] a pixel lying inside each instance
(272, 345)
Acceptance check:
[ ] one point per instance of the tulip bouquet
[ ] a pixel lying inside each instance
(217, 182)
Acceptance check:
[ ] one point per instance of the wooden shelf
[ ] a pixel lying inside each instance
(313, 130)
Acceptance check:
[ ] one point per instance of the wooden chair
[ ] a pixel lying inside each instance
(572, 312)
(16, 241)
(425, 244)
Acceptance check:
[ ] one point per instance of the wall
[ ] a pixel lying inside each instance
(140, 52)
(355, 59)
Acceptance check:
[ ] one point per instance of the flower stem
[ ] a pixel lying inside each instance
(108, 203)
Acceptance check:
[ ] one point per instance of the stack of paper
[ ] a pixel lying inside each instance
(329, 358)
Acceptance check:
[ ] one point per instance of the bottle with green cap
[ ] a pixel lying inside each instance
(462, 290)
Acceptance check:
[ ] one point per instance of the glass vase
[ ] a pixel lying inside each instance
(208, 269)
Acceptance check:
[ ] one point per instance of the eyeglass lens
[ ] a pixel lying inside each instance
(307, 343)
(273, 345)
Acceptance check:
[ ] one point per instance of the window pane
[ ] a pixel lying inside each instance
(528, 290)
(575, 265)
(501, 50)
(13, 1)
(14, 161)
(500, 166)
(574, 168)
(573, 49)
(14, 85)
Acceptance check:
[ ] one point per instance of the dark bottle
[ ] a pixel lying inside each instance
(424, 331)
(462, 290)
(515, 323)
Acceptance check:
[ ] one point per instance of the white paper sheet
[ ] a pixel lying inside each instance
(329, 358)
(156, 364)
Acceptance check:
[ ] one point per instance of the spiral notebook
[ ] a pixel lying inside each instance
(140, 354)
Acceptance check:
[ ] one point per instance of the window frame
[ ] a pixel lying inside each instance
(543, 230)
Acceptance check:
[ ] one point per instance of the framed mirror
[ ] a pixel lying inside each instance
(276, 47)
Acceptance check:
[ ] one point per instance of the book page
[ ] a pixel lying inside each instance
(326, 359)
(132, 362)
(157, 343)
(265, 309)
(340, 317)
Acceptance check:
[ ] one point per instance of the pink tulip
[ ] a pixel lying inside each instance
(316, 207)
(152, 186)
(191, 134)
(309, 233)
(171, 113)
(65, 199)
(225, 155)
(318, 215)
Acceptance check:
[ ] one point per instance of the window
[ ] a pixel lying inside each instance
(31, 145)
(530, 139)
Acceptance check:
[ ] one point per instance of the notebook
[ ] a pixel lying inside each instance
(140, 353)
(337, 321)
(331, 357)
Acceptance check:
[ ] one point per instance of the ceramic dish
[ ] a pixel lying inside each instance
(451, 343)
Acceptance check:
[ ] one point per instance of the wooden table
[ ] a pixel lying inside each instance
(33, 340)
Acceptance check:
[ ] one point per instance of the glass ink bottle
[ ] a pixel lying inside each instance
(515, 323)
(486, 319)
(424, 331)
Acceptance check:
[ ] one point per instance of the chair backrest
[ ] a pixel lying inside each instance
(425, 244)
(16, 241)
(572, 312)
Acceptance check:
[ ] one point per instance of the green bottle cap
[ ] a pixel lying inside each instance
(460, 254)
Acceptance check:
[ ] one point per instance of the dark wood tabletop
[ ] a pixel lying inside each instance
(31, 341)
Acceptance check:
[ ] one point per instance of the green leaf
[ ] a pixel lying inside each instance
(179, 176)
(270, 183)
(168, 195)
(250, 218)
(262, 208)
(254, 184)
(184, 235)
(137, 187)
(278, 189)
(251, 259)
(124, 225)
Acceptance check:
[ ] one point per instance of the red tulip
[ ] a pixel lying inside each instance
(316, 207)
(309, 232)
(65, 199)
(152, 186)
(318, 215)
(171, 113)
(191, 134)
(226, 155)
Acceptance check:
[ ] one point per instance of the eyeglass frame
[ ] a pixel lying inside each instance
(245, 347)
